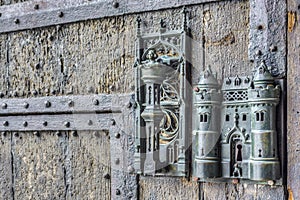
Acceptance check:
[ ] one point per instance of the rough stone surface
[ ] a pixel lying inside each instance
(293, 100)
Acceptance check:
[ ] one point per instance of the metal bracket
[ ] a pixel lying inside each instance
(91, 112)
(41, 13)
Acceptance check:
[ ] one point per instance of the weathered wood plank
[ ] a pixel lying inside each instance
(40, 13)
(38, 165)
(225, 32)
(156, 188)
(9, 2)
(6, 170)
(88, 165)
(293, 100)
(124, 183)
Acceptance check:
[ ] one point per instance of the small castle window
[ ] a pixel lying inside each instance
(205, 118)
(260, 116)
(201, 118)
(244, 117)
(227, 118)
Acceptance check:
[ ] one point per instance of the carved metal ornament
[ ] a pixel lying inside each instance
(235, 127)
(162, 73)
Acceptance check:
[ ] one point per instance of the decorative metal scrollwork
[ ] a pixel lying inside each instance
(169, 127)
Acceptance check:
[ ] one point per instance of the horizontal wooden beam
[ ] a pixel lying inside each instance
(41, 13)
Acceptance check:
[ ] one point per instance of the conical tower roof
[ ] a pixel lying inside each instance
(262, 74)
(208, 80)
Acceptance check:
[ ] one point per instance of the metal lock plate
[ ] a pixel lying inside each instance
(244, 146)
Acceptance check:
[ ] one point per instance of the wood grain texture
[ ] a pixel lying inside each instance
(6, 178)
(9, 2)
(293, 102)
(96, 56)
(155, 188)
(87, 162)
(38, 165)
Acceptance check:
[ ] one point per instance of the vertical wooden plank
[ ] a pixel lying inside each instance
(225, 32)
(33, 63)
(293, 99)
(225, 42)
(38, 165)
(168, 188)
(3, 63)
(88, 165)
(6, 178)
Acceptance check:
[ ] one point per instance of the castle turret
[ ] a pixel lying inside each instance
(207, 101)
(263, 99)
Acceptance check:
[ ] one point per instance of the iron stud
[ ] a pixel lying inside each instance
(36, 133)
(34, 92)
(57, 133)
(96, 102)
(96, 134)
(4, 106)
(5, 123)
(17, 21)
(273, 48)
(129, 105)
(47, 104)
(118, 192)
(258, 52)
(60, 14)
(45, 123)
(67, 124)
(90, 122)
(117, 135)
(36, 6)
(26, 105)
(115, 4)
(25, 123)
(74, 133)
(260, 27)
(106, 176)
(112, 122)
(71, 103)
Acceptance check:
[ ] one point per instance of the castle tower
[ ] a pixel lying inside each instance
(207, 101)
(263, 99)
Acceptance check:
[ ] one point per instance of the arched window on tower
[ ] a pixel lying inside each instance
(260, 116)
(204, 117)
